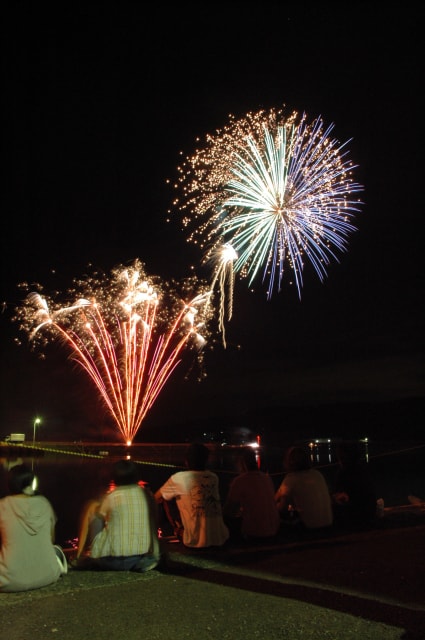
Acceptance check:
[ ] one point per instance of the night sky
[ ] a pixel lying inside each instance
(99, 102)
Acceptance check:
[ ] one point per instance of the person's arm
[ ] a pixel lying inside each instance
(90, 510)
(158, 497)
(168, 489)
(53, 532)
(53, 526)
(281, 499)
(340, 497)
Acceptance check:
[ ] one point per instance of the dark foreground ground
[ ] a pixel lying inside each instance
(367, 585)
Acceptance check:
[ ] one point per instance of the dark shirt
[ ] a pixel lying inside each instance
(357, 483)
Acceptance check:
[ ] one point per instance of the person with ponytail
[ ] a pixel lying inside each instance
(28, 557)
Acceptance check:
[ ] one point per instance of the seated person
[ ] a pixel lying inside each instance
(305, 491)
(91, 523)
(196, 492)
(250, 509)
(120, 531)
(28, 557)
(354, 497)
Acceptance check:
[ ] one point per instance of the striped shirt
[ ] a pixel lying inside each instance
(129, 526)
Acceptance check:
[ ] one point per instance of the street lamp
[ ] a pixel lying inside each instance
(36, 422)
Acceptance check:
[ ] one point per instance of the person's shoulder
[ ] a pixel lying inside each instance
(316, 473)
(195, 472)
(247, 476)
(41, 502)
(4, 502)
(184, 473)
(125, 488)
(41, 498)
(237, 480)
(210, 474)
(176, 478)
(197, 475)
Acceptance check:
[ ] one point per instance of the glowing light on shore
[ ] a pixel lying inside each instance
(127, 332)
(276, 190)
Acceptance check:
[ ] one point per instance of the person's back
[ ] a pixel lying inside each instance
(305, 490)
(251, 497)
(196, 492)
(129, 539)
(27, 556)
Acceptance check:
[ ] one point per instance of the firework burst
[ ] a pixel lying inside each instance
(276, 190)
(127, 332)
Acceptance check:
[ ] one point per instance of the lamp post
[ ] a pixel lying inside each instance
(36, 422)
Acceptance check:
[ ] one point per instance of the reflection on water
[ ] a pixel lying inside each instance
(68, 481)
(323, 451)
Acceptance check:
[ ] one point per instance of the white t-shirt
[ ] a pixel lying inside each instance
(308, 492)
(198, 499)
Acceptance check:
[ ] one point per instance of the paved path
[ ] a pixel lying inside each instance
(368, 585)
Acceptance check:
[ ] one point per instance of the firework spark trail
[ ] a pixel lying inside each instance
(124, 338)
(275, 189)
(224, 275)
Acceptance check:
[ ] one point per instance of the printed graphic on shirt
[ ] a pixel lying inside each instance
(204, 502)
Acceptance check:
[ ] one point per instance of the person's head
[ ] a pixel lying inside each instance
(247, 461)
(297, 459)
(197, 456)
(124, 472)
(21, 479)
